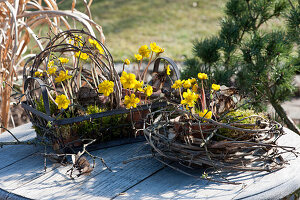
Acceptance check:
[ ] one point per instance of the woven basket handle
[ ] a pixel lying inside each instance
(160, 83)
(44, 91)
(171, 62)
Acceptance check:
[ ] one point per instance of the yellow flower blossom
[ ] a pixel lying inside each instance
(168, 70)
(94, 43)
(190, 98)
(139, 85)
(144, 51)
(202, 76)
(131, 101)
(82, 55)
(161, 50)
(76, 41)
(206, 114)
(62, 76)
(50, 63)
(138, 57)
(106, 87)
(177, 84)
(78, 37)
(193, 81)
(38, 74)
(63, 60)
(187, 84)
(148, 90)
(62, 101)
(155, 48)
(128, 80)
(127, 61)
(52, 70)
(195, 88)
(215, 87)
(71, 41)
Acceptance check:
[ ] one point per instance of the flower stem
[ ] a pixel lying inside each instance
(146, 70)
(64, 90)
(52, 84)
(139, 69)
(180, 94)
(203, 96)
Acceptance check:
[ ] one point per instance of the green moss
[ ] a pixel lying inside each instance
(238, 116)
(103, 129)
(40, 106)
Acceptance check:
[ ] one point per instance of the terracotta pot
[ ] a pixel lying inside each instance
(138, 117)
(66, 139)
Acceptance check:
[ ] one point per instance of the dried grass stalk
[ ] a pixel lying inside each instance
(19, 21)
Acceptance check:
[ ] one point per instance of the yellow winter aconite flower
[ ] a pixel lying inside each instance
(52, 70)
(62, 101)
(144, 51)
(202, 76)
(148, 90)
(62, 76)
(177, 84)
(215, 87)
(138, 56)
(127, 61)
(128, 80)
(193, 80)
(76, 41)
(71, 41)
(82, 55)
(38, 74)
(187, 84)
(155, 48)
(78, 38)
(168, 70)
(139, 85)
(63, 60)
(94, 43)
(161, 50)
(50, 63)
(131, 101)
(206, 114)
(190, 98)
(195, 87)
(106, 87)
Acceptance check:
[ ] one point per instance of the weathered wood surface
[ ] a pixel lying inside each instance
(22, 175)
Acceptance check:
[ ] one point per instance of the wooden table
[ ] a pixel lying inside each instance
(22, 176)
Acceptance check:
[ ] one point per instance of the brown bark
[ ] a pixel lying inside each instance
(286, 119)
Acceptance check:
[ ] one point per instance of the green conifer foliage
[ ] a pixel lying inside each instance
(261, 63)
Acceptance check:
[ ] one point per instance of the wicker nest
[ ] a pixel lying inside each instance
(193, 141)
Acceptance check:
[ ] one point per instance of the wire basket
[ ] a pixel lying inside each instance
(67, 128)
